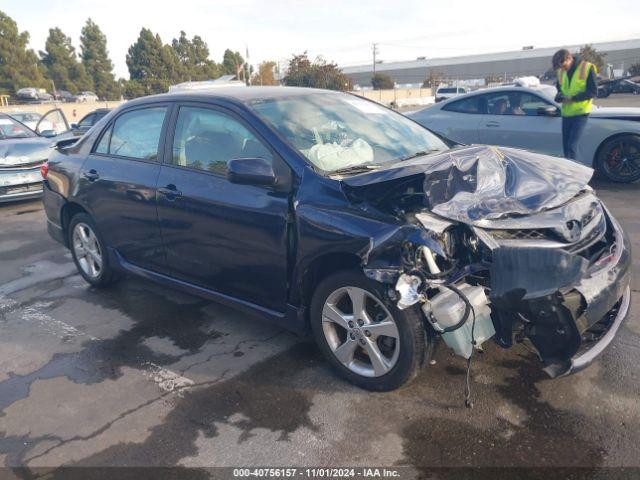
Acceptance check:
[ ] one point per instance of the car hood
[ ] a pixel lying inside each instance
(622, 113)
(476, 184)
(23, 151)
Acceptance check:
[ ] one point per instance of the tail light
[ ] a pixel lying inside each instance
(44, 170)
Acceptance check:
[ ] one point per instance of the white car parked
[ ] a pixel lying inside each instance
(445, 93)
(529, 118)
(86, 97)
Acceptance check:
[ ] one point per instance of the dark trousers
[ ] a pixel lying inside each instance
(572, 128)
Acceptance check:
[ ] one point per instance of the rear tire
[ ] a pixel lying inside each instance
(89, 252)
(618, 159)
(384, 348)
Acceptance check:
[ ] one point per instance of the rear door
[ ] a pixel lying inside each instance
(513, 120)
(457, 120)
(223, 236)
(118, 184)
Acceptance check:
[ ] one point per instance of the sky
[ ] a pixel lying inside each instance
(340, 31)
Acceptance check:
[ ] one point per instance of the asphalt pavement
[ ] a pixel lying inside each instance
(140, 375)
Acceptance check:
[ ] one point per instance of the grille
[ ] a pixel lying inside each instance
(26, 188)
(529, 234)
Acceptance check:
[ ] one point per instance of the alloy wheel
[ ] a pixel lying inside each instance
(360, 332)
(87, 250)
(622, 159)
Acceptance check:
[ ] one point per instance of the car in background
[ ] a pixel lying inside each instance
(23, 152)
(529, 118)
(86, 97)
(30, 119)
(625, 86)
(64, 96)
(444, 93)
(33, 95)
(88, 121)
(328, 213)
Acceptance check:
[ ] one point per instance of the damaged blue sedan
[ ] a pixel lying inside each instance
(326, 213)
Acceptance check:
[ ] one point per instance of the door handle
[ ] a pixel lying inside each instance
(492, 124)
(91, 175)
(170, 191)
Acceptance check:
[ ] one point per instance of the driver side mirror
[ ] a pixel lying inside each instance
(549, 111)
(251, 171)
(48, 133)
(73, 126)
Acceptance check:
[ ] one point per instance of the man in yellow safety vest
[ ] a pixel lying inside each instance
(577, 87)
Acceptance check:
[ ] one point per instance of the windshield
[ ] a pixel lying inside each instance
(10, 128)
(337, 131)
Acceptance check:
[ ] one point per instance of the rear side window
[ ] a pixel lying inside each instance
(206, 139)
(467, 105)
(134, 134)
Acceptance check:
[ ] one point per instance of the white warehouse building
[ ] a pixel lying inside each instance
(528, 61)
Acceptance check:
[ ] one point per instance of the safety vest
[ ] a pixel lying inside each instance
(571, 87)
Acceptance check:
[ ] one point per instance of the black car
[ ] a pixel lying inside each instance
(322, 211)
(88, 121)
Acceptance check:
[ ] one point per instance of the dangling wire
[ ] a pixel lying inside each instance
(467, 392)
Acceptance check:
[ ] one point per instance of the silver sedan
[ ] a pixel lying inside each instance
(528, 118)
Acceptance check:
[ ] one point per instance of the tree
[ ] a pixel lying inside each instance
(95, 58)
(18, 64)
(233, 64)
(433, 79)
(153, 65)
(381, 81)
(61, 64)
(590, 54)
(317, 74)
(265, 74)
(634, 69)
(193, 56)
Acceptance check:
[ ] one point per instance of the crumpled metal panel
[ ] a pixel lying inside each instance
(486, 183)
(480, 183)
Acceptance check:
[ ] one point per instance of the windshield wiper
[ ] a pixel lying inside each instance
(418, 154)
(354, 169)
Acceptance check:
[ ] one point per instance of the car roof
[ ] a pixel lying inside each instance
(235, 94)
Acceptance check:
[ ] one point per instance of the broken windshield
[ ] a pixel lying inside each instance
(337, 131)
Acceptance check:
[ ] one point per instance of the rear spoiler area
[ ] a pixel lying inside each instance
(66, 143)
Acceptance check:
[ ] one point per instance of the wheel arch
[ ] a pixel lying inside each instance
(319, 269)
(67, 213)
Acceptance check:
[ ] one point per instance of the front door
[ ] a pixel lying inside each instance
(118, 185)
(513, 120)
(223, 236)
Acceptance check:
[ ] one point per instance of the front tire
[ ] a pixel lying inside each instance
(89, 252)
(367, 340)
(618, 159)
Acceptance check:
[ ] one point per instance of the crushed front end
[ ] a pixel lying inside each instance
(514, 246)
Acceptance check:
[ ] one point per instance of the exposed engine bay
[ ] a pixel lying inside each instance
(500, 243)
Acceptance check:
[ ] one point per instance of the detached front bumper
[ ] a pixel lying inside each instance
(569, 301)
(20, 183)
(607, 295)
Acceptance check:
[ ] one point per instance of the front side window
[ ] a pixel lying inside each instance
(87, 121)
(336, 131)
(135, 134)
(206, 139)
(515, 103)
